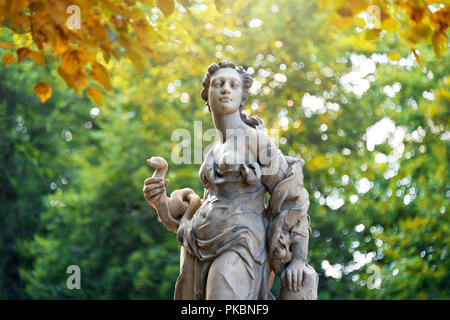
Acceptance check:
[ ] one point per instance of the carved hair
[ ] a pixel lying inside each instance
(254, 122)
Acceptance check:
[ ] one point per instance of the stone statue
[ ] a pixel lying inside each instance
(232, 242)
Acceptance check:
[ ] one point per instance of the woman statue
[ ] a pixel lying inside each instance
(231, 242)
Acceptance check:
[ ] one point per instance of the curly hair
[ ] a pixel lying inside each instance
(254, 122)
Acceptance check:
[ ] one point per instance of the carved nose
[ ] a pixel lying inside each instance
(225, 89)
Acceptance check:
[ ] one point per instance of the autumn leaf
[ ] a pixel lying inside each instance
(77, 81)
(100, 74)
(372, 34)
(95, 95)
(417, 56)
(147, 2)
(166, 6)
(37, 57)
(345, 12)
(394, 56)
(219, 5)
(8, 58)
(390, 24)
(420, 33)
(6, 45)
(136, 60)
(186, 4)
(344, 22)
(43, 91)
(22, 53)
(440, 43)
(73, 60)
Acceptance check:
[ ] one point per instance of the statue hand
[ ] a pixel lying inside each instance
(292, 276)
(154, 188)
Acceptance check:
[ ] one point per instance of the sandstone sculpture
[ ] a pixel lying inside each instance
(232, 242)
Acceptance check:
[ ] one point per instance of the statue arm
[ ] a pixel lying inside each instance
(181, 204)
(289, 231)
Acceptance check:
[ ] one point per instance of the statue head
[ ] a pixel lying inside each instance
(245, 84)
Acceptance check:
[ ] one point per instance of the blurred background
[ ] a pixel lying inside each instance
(359, 89)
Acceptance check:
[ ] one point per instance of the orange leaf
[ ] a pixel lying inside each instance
(95, 95)
(43, 91)
(77, 81)
(37, 57)
(416, 55)
(8, 58)
(166, 6)
(73, 60)
(6, 45)
(100, 74)
(22, 53)
(345, 12)
(440, 43)
(344, 22)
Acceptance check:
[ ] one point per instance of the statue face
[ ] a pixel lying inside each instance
(225, 91)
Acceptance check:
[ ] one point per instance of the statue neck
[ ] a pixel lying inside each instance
(228, 125)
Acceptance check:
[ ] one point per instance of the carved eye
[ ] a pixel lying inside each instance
(235, 85)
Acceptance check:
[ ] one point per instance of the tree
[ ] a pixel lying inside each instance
(370, 121)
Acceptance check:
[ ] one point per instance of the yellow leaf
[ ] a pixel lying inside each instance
(219, 5)
(147, 2)
(43, 91)
(135, 59)
(8, 58)
(344, 22)
(390, 24)
(360, 22)
(37, 57)
(73, 60)
(143, 30)
(95, 95)
(100, 74)
(330, 4)
(418, 33)
(77, 81)
(394, 56)
(166, 6)
(6, 45)
(372, 34)
(440, 43)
